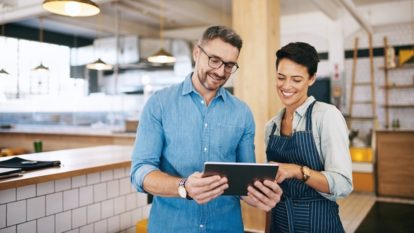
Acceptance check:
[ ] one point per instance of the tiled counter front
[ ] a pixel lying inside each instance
(89, 192)
(95, 202)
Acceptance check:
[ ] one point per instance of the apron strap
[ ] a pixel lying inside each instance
(309, 116)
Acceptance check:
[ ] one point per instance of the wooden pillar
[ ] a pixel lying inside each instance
(257, 22)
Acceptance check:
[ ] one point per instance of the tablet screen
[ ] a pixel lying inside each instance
(240, 175)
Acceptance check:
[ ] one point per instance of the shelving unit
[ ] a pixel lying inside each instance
(389, 87)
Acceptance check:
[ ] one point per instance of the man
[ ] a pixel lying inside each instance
(182, 127)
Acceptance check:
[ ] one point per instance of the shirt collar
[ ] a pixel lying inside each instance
(301, 110)
(188, 88)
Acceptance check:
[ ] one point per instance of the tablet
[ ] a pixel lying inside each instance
(240, 175)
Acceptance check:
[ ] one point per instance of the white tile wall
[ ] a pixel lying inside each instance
(78, 181)
(26, 192)
(101, 226)
(99, 192)
(125, 220)
(7, 195)
(78, 217)
(62, 184)
(46, 225)
(131, 201)
(63, 221)
(97, 202)
(107, 175)
(86, 229)
(107, 208)
(70, 199)
(3, 216)
(124, 186)
(36, 207)
(27, 227)
(93, 178)
(113, 188)
(54, 203)
(94, 213)
(8, 230)
(45, 188)
(85, 195)
(113, 224)
(16, 212)
(119, 204)
(119, 173)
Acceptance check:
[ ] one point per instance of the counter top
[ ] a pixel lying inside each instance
(68, 130)
(394, 130)
(74, 162)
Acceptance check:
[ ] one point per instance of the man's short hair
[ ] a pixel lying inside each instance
(224, 33)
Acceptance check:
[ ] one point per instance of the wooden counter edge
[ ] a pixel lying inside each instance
(28, 178)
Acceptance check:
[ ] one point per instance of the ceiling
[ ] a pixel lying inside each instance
(142, 17)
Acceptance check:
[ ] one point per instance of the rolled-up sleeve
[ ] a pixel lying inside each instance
(335, 150)
(148, 143)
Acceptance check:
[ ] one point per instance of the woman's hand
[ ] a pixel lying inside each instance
(287, 171)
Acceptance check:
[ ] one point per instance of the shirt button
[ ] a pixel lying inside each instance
(205, 149)
(205, 125)
(202, 101)
(201, 225)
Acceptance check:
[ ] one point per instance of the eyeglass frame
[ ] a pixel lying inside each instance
(221, 61)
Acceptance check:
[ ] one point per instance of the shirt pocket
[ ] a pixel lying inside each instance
(225, 139)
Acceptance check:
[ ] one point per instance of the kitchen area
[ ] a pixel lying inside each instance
(58, 104)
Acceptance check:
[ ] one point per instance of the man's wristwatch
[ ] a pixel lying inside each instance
(306, 172)
(181, 188)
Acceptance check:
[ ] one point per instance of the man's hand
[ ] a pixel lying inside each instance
(265, 199)
(205, 189)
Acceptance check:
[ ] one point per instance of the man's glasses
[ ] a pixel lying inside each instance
(215, 63)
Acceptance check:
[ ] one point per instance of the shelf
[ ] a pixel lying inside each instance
(398, 106)
(406, 66)
(398, 86)
(361, 118)
(363, 83)
(362, 102)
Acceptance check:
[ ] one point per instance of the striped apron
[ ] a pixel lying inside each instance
(301, 209)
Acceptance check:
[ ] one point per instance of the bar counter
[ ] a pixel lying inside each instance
(89, 192)
(57, 137)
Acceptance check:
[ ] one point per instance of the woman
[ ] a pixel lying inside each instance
(309, 140)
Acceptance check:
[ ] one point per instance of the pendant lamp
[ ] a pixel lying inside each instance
(72, 8)
(41, 68)
(3, 72)
(161, 56)
(99, 65)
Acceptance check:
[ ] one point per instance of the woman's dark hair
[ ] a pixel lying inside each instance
(226, 34)
(301, 53)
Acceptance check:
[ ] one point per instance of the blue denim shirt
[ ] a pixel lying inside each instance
(177, 133)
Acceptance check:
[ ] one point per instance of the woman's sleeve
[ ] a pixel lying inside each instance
(335, 150)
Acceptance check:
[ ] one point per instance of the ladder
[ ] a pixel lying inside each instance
(370, 83)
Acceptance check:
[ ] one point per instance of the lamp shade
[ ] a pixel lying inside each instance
(161, 56)
(41, 68)
(73, 8)
(99, 65)
(3, 72)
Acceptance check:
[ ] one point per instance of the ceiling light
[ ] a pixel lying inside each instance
(99, 65)
(73, 8)
(3, 72)
(41, 68)
(161, 56)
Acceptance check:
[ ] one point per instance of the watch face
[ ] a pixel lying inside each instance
(182, 192)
